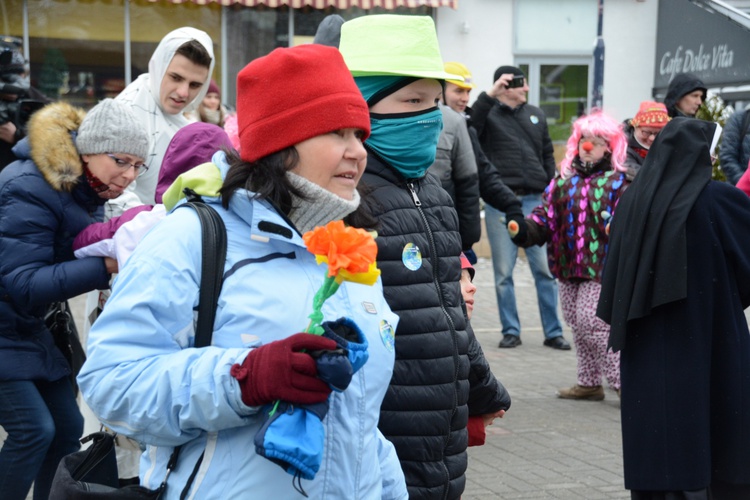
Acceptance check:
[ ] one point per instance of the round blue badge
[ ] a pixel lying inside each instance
(411, 257)
(387, 335)
(534, 119)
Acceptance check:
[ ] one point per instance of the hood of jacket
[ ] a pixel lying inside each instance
(682, 84)
(50, 144)
(191, 146)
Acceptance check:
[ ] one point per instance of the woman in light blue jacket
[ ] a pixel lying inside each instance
(301, 159)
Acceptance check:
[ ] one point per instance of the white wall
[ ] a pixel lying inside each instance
(629, 33)
(488, 43)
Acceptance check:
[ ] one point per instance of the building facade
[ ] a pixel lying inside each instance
(85, 50)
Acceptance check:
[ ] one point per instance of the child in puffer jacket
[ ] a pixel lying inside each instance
(477, 423)
(573, 220)
(192, 146)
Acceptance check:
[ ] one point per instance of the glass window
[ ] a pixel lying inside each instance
(11, 18)
(560, 88)
(150, 21)
(253, 32)
(76, 49)
(563, 92)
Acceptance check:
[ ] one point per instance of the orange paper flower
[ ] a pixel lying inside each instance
(342, 248)
(350, 254)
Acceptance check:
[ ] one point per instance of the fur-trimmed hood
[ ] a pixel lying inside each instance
(52, 147)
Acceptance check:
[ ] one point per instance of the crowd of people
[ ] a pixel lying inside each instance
(356, 372)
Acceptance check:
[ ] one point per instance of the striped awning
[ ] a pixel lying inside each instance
(322, 4)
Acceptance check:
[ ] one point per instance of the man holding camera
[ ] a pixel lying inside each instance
(514, 136)
(17, 99)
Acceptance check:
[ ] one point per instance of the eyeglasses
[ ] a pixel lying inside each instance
(648, 134)
(139, 167)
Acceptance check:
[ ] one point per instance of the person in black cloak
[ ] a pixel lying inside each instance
(675, 285)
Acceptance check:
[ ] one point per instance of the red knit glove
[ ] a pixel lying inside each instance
(280, 371)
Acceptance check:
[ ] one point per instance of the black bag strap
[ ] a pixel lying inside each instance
(213, 257)
(214, 252)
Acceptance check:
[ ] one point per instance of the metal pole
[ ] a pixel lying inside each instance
(224, 55)
(597, 96)
(290, 42)
(128, 56)
(26, 49)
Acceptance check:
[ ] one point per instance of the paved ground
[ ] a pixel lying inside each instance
(544, 448)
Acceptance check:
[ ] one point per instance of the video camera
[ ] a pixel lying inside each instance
(15, 106)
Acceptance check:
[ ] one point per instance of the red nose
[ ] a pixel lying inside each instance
(587, 146)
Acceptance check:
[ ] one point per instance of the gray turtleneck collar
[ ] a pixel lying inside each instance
(319, 207)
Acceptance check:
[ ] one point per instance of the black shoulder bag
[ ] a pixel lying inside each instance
(92, 473)
(61, 324)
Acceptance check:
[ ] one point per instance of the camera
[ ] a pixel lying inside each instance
(516, 82)
(15, 106)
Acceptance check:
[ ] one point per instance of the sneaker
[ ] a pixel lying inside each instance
(510, 341)
(557, 343)
(595, 393)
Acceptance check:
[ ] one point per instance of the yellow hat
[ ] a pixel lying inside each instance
(458, 69)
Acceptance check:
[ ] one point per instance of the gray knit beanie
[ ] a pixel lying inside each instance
(111, 127)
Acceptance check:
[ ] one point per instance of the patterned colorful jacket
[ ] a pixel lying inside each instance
(572, 220)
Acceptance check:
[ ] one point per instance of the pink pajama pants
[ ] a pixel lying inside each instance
(590, 334)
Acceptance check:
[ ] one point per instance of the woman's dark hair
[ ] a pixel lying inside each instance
(265, 177)
(362, 217)
(195, 52)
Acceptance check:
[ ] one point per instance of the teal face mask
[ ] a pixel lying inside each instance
(407, 141)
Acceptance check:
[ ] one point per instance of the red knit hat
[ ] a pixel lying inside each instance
(465, 264)
(651, 114)
(294, 94)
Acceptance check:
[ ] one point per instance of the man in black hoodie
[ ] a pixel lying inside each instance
(685, 94)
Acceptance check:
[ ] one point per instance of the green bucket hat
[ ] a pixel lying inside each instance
(391, 44)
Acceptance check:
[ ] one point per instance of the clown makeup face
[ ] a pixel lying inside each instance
(592, 149)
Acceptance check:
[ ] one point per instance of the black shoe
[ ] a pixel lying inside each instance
(557, 343)
(511, 341)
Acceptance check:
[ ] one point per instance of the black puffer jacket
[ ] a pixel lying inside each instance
(427, 406)
(492, 189)
(516, 141)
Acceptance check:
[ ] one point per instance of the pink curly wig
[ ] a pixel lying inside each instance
(597, 124)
